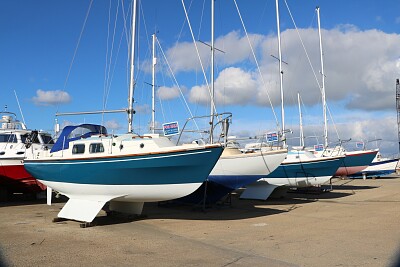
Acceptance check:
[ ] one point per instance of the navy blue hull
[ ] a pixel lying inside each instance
(208, 193)
(218, 186)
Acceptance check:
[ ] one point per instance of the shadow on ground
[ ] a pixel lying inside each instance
(23, 200)
(232, 208)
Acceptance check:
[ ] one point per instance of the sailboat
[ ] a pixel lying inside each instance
(380, 166)
(92, 167)
(16, 143)
(354, 161)
(234, 169)
(300, 168)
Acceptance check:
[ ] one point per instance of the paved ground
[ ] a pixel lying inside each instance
(357, 224)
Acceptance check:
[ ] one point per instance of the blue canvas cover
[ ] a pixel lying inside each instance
(76, 132)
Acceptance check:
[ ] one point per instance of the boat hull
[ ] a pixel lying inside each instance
(125, 176)
(236, 172)
(305, 173)
(378, 168)
(14, 177)
(233, 172)
(356, 161)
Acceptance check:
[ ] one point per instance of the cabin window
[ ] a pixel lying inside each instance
(96, 148)
(47, 139)
(35, 139)
(78, 149)
(8, 138)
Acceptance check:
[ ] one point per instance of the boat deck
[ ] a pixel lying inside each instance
(356, 224)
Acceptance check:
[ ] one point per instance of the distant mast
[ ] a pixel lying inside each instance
(132, 66)
(323, 83)
(398, 109)
(302, 142)
(280, 74)
(212, 74)
(153, 80)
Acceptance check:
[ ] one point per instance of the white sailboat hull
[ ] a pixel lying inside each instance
(137, 193)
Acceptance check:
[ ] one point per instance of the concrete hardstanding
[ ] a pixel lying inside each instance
(357, 224)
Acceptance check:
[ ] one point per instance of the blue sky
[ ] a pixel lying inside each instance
(361, 39)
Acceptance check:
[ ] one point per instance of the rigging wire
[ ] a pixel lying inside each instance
(109, 60)
(176, 82)
(258, 66)
(106, 59)
(201, 19)
(198, 54)
(312, 68)
(302, 43)
(75, 52)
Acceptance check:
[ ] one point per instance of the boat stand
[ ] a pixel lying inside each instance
(81, 224)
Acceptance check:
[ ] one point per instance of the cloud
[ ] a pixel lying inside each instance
(359, 66)
(356, 127)
(112, 125)
(233, 86)
(168, 93)
(51, 98)
(183, 56)
(236, 47)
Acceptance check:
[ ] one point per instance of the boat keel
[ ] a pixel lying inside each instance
(83, 210)
(259, 190)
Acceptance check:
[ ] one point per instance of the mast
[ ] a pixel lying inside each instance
(153, 108)
(302, 143)
(212, 74)
(132, 78)
(280, 74)
(398, 109)
(323, 82)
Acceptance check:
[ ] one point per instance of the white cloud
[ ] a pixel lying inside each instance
(359, 66)
(183, 56)
(233, 86)
(200, 95)
(50, 98)
(235, 47)
(112, 125)
(355, 127)
(168, 93)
